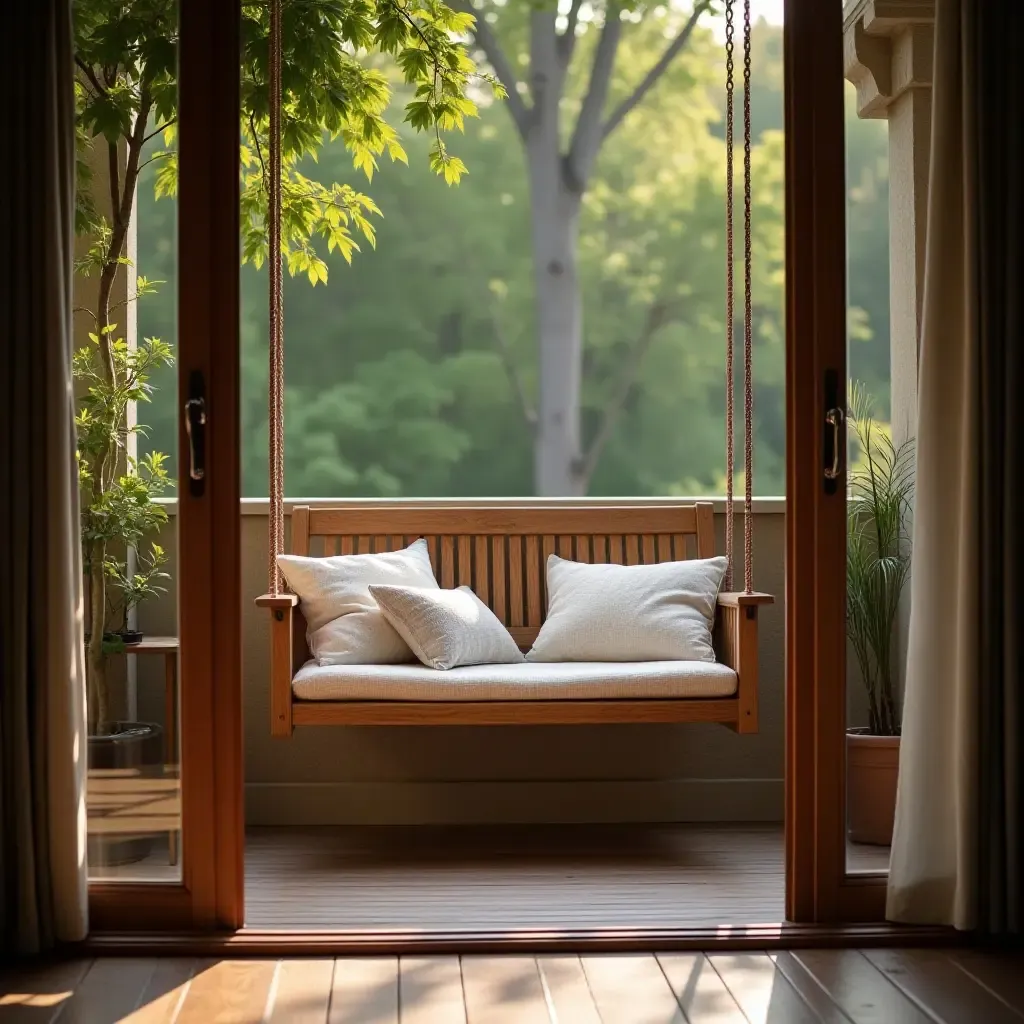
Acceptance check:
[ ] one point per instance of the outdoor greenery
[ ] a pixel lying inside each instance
(415, 370)
(877, 555)
(126, 99)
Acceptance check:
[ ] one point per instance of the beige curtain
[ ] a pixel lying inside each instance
(957, 853)
(42, 703)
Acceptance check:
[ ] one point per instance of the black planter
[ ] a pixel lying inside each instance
(130, 636)
(131, 750)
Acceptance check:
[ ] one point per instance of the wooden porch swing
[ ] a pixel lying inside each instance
(501, 552)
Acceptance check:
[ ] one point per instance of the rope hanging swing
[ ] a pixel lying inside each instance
(276, 367)
(276, 374)
(730, 303)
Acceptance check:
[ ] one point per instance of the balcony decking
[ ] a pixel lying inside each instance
(494, 879)
(506, 879)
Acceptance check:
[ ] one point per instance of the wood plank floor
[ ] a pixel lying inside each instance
(804, 987)
(514, 878)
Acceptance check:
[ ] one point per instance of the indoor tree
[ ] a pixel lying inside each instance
(126, 60)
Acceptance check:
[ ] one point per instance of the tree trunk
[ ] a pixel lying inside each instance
(559, 312)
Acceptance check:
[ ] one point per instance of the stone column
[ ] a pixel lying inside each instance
(888, 57)
(888, 48)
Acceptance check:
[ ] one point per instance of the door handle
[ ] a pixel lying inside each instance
(835, 419)
(195, 427)
(834, 442)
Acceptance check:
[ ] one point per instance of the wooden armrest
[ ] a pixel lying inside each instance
(282, 642)
(277, 600)
(739, 599)
(737, 647)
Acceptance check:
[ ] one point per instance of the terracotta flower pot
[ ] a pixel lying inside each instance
(872, 767)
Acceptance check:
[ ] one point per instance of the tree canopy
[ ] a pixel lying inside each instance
(415, 371)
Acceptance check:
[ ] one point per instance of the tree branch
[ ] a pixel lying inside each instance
(657, 316)
(514, 376)
(91, 75)
(259, 152)
(485, 38)
(155, 156)
(159, 131)
(567, 40)
(652, 76)
(587, 135)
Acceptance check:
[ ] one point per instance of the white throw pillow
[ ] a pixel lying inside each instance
(661, 612)
(447, 628)
(344, 624)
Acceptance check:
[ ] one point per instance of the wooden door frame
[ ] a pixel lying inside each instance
(818, 888)
(210, 895)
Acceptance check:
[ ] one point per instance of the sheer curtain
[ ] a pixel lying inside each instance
(42, 703)
(957, 850)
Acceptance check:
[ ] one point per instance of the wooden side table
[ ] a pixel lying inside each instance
(167, 646)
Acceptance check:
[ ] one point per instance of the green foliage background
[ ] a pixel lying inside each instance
(396, 382)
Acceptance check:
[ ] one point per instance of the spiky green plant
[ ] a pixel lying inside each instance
(877, 555)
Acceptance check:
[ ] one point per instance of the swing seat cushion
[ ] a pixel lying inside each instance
(516, 682)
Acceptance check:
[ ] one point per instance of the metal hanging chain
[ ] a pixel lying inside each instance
(276, 368)
(748, 333)
(730, 302)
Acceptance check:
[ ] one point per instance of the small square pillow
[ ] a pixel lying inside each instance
(660, 612)
(344, 625)
(447, 628)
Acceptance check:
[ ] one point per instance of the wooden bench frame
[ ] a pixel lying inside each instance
(501, 552)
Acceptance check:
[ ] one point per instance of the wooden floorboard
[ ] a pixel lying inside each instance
(228, 991)
(37, 994)
(1000, 973)
(699, 989)
(762, 991)
(567, 991)
(950, 996)
(846, 980)
(110, 991)
(300, 992)
(631, 990)
(430, 991)
(808, 987)
(365, 991)
(503, 990)
(165, 992)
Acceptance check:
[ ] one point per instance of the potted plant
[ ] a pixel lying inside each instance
(877, 569)
(132, 588)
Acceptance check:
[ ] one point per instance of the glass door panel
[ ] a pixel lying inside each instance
(157, 387)
(126, 342)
